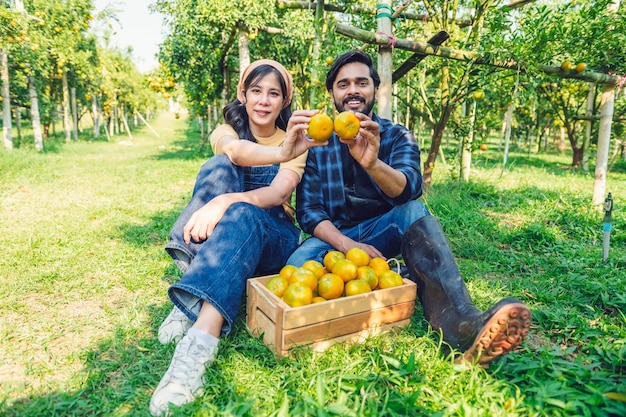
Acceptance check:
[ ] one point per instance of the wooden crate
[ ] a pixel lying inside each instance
(320, 325)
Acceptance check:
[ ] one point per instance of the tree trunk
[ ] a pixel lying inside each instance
(6, 102)
(507, 133)
(440, 126)
(66, 108)
(244, 50)
(466, 153)
(34, 111)
(591, 98)
(96, 117)
(74, 112)
(18, 125)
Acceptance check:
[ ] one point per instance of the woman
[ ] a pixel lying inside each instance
(235, 225)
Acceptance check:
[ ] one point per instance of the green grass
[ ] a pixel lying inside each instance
(83, 280)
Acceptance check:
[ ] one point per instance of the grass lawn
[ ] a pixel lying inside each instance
(83, 281)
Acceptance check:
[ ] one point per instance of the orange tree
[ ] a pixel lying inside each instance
(552, 33)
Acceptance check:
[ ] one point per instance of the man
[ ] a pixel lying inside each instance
(363, 192)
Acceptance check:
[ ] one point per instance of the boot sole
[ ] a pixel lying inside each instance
(502, 333)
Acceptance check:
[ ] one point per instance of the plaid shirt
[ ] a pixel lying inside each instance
(320, 195)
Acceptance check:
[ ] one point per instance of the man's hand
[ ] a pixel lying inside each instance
(364, 147)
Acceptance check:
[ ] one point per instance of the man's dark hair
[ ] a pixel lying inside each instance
(348, 58)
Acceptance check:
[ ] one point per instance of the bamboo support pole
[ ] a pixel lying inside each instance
(459, 55)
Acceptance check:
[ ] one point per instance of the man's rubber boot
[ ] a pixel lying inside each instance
(482, 337)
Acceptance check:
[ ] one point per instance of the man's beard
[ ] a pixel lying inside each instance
(368, 105)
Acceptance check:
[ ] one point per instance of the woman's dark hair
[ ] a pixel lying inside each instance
(235, 112)
(348, 58)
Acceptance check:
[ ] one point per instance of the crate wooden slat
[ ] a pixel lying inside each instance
(320, 325)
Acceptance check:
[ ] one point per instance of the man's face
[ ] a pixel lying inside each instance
(353, 89)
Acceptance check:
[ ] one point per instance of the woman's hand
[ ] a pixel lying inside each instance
(202, 223)
(296, 141)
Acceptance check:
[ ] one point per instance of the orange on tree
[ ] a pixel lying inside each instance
(580, 67)
(358, 256)
(330, 286)
(379, 265)
(389, 279)
(483, 147)
(566, 65)
(357, 286)
(314, 266)
(287, 270)
(331, 257)
(277, 285)
(367, 274)
(329, 60)
(320, 127)
(346, 125)
(297, 295)
(304, 276)
(345, 268)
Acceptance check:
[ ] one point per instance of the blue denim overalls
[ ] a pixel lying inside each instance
(248, 241)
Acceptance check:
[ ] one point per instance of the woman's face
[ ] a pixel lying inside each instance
(264, 101)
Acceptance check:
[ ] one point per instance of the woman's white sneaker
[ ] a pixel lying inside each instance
(174, 327)
(183, 381)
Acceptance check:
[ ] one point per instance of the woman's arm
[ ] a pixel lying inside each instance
(247, 153)
(201, 224)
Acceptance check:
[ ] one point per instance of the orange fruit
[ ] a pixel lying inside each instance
(297, 295)
(318, 299)
(345, 268)
(331, 257)
(346, 125)
(483, 147)
(357, 286)
(367, 274)
(320, 127)
(379, 265)
(330, 286)
(277, 285)
(314, 266)
(304, 276)
(389, 279)
(287, 270)
(566, 65)
(329, 60)
(358, 256)
(580, 67)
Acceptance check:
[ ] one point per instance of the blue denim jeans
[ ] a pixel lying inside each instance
(383, 232)
(248, 241)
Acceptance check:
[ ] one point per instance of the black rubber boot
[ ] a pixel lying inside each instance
(447, 305)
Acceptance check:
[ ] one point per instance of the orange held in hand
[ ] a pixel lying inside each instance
(347, 125)
(320, 127)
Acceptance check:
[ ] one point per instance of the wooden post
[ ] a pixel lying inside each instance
(385, 60)
(146, 123)
(607, 102)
